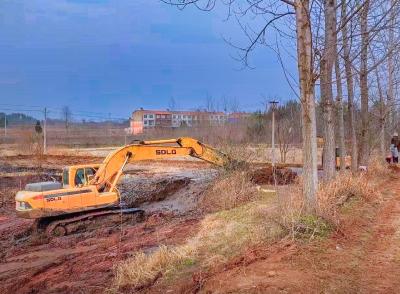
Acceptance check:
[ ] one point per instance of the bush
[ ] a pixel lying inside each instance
(227, 191)
(331, 196)
(334, 194)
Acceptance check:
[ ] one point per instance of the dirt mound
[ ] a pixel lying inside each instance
(264, 176)
(134, 195)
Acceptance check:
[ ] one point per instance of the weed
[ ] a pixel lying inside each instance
(311, 226)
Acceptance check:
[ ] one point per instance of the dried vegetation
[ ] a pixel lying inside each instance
(239, 216)
(237, 220)
(332, 197)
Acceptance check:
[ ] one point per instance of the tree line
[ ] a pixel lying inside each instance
(346, 53)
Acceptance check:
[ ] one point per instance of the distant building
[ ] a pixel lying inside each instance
(236, 117)
(143, 119)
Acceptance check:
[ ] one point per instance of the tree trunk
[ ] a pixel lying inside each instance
(340, 115)
(390, 93)
(364, 144)
(382, 117)
(350, 90)
(327, 61)
(307, 83)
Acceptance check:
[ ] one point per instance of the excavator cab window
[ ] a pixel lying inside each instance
(80, 177)
(89, 172)
(66, 177)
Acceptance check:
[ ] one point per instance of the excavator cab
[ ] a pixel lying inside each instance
(50, 196)
(78, 175)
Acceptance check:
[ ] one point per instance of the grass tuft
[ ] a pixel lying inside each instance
(144, 268)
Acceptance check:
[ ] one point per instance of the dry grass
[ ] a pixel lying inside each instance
(144, 268)
(334, 194)
(221, 236)
(377, 167)
(229, 190)
(296, 222)
(290, 209)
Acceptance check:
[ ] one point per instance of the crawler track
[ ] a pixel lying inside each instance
(60, 226)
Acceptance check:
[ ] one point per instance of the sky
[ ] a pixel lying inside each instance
(114, 56)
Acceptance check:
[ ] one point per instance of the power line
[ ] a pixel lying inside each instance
(10, 107)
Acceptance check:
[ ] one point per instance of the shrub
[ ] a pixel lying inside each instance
(331, 196)
(334, 194)
(229, 190)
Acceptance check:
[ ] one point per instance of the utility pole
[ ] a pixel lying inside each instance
(45, 131)
(273, 107)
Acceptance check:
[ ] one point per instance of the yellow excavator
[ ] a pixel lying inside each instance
(90, 191)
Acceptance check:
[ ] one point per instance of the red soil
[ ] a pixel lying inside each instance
(283, 176)
(362, 257)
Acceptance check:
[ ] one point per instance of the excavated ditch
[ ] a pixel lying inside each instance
(265, 176)
(134, 193)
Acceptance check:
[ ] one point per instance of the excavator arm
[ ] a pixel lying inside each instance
(110, 171)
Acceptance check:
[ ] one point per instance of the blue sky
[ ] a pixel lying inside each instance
(119, 55)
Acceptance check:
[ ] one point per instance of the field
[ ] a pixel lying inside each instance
(209, 244)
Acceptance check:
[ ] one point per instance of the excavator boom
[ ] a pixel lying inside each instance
(110, 171)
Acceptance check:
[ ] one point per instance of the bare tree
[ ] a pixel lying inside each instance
(382, 115)
(390, 67)
(209, 103)
(224, 104)
(349, 85)
(364, 144)
(66, 117)
(234, 105)
(285, 136)
(307, 98)
(172, 103)
(327, 62)
(340, 115)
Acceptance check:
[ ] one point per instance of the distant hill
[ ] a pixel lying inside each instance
(16, 118)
